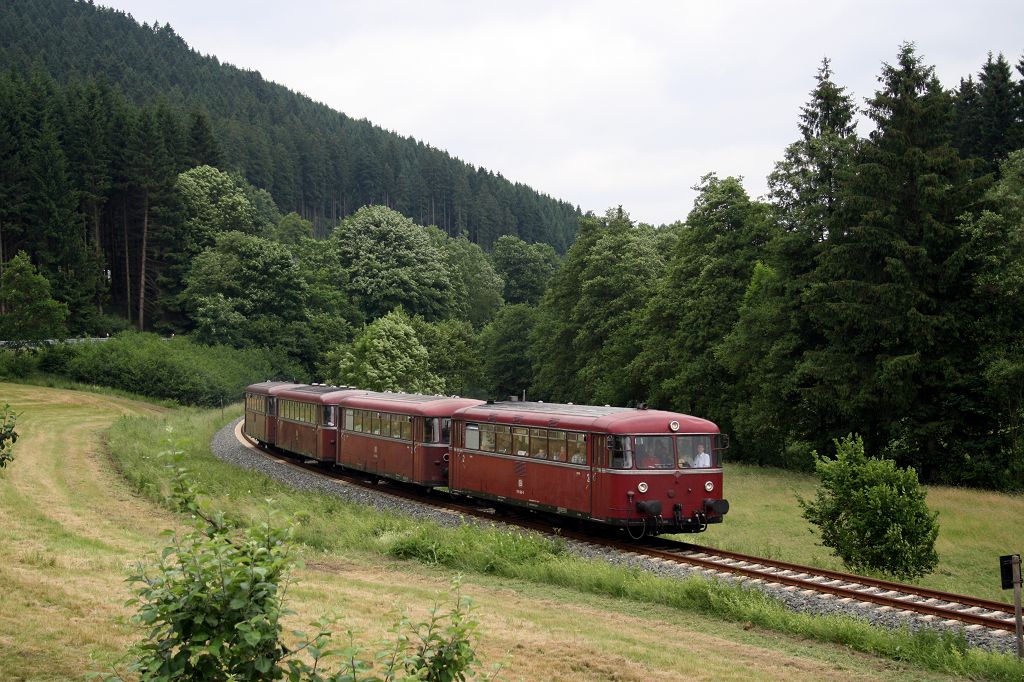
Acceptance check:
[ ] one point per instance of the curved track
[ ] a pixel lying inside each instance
(932, 605)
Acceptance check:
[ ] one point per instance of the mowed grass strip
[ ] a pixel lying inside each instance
(976, 527)
(72, 529)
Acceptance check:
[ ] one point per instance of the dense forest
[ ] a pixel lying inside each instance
(877, 289)
(312, 160)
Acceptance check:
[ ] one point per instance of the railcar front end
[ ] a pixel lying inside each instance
(653, 482)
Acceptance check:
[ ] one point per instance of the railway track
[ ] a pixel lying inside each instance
(928, 605)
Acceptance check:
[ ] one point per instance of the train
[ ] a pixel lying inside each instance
(638, 470)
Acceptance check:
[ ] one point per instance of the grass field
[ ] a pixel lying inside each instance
(73, 524)
(975, 528)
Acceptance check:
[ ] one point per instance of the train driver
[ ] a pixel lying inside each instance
(701, 460)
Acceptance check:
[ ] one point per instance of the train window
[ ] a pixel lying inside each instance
(385, 425)
(695, 452)
(446, 429)
(350, 420)
(405, 427)
(654, 452)
(556, 445)
(577, 448)
(621, 452)
(502, 439)
(472, 436)
(357, 421)
(375, 423)
(538, 443)
(520, 441)
(487, 437)
(430, 431)
(329, 415)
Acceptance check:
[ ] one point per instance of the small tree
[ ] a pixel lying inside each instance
(871, 514)
(27, 310)
(8, 436)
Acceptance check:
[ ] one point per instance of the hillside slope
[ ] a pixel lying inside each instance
(312, 159)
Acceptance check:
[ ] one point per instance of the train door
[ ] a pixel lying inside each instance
(571, 448)
(610, 454)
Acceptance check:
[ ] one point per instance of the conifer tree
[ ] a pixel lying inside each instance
(772, 331)
(886, 294)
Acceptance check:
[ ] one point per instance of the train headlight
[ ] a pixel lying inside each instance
(642, 487)
(709, 486)
(673, 426)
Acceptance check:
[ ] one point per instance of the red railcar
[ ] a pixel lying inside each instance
(308, 418)
(399, 435)
(261, 409)
(644, 470)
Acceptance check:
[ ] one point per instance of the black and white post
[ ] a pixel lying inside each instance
(1009, 570)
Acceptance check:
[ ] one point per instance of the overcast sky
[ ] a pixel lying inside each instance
(596, 103)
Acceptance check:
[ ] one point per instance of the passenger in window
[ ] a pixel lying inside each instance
(701, 460)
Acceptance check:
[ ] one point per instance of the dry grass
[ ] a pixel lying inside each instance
(71, 529)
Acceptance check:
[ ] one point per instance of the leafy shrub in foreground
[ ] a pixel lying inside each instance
(873, 515)
(211, 606)
(175, 369)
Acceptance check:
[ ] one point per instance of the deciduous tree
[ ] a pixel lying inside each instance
(28, 312)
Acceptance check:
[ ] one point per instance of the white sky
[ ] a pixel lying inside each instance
(597, 103)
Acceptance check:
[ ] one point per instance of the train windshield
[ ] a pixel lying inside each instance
(696, 452)
(654, 452)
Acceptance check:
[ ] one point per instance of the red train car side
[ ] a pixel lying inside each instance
(399, 435)
(308, 418)
(645, 470)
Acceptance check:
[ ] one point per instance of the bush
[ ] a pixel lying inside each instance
(17, 363)
(873, 515)
(8, 436)
(175, 369)
(54, 358)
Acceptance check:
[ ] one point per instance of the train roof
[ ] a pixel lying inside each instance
(323, 395)
(410, 403)
(270, 387)
(603, 419)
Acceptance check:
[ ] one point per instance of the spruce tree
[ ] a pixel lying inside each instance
(772, 424)
(887, 294)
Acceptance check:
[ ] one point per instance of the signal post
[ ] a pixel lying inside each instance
(1009, 571)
